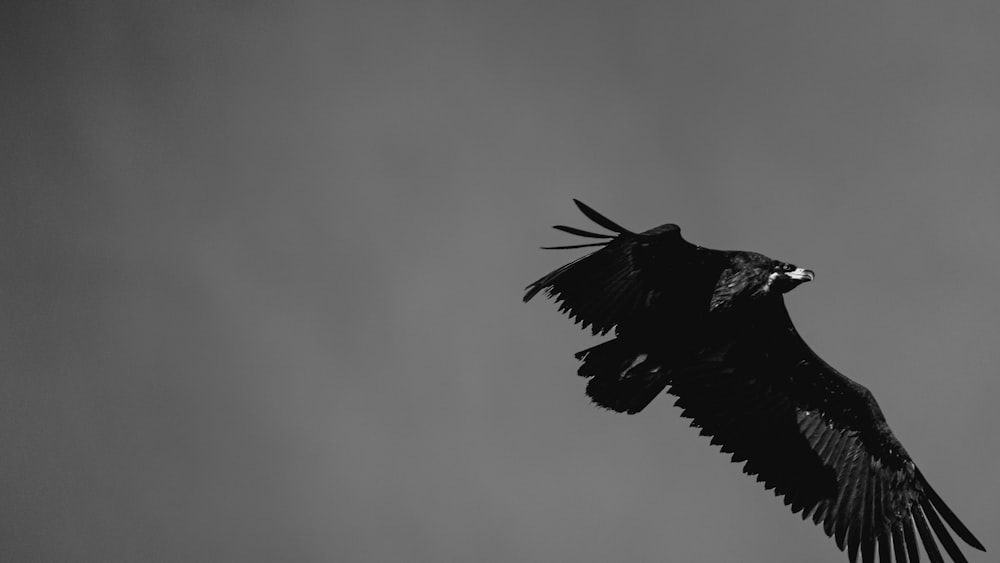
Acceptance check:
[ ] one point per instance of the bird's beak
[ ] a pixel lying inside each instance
(801, 275)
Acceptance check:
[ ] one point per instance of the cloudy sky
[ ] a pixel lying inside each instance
(262, 267)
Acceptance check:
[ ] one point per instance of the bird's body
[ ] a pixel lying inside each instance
(710, 327)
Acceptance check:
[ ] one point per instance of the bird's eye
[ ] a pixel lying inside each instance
(788, 267)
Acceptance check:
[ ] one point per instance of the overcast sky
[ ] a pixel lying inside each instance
(262, 266)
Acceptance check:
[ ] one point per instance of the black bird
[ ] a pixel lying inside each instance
(710, 327)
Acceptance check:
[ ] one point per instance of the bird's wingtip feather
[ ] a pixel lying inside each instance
(938, 504)
(600, 219)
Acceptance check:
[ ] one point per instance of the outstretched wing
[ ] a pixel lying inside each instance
(633, 278)
(818, 439)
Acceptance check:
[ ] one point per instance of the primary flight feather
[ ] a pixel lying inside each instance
(711, 327)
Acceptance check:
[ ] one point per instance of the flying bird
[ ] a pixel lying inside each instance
(711, 327)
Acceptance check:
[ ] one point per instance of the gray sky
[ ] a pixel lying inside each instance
(262, 267)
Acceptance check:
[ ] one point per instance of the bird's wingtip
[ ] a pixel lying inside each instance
(600, 219)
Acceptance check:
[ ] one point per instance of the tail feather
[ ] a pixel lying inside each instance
(622, 378)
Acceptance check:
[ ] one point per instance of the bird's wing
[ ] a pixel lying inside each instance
(818, 439)
(632, 278)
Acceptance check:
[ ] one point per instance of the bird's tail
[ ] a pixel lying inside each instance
(623, 378)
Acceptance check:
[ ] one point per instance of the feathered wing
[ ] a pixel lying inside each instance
(818, 439)
(632, 278)
(650, 288)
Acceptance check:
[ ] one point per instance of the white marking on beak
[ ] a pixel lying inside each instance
(801, 274)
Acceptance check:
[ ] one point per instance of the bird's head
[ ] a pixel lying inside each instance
(783, 277)
(752, 275)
